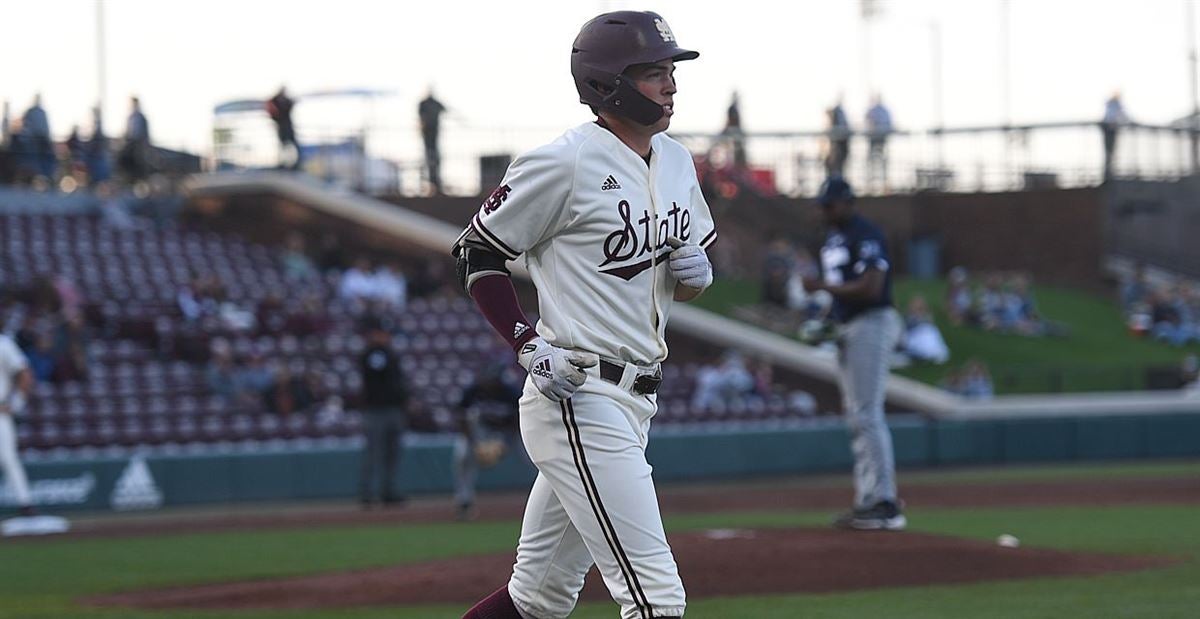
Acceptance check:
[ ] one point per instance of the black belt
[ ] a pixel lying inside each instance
(643, 385)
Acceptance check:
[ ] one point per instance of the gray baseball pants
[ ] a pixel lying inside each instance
(866, 348)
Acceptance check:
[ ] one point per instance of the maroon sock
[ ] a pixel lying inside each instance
(498, 605)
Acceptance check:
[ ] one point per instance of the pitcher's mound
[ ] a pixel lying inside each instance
(722, 562)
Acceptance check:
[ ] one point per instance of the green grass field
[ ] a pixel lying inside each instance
(40, 579)
(1099, 355)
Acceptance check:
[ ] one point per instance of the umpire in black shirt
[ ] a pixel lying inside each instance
(385, 406)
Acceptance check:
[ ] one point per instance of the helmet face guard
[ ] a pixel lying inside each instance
(605, 49)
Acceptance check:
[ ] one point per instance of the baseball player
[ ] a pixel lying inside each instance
(613, 228)
(489, 428)
(16, 383)
(856, 272)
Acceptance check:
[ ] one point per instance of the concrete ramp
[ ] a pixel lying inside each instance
(437, 236)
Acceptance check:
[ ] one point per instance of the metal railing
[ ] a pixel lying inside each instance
(986, 158)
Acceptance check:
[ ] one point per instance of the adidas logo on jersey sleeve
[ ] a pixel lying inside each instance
(610, 183)
(519, 329)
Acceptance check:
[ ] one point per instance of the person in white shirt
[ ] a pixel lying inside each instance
(16, 383)
(612, 226)
(879, 127)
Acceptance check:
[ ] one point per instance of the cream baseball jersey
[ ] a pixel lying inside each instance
(592, 219)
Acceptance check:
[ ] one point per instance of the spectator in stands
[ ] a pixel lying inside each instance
(488, 426)
(311, 318)
(390, 287)
(297, 266)
(96, 155)
(385, 403)
(220, 373)
(134, 159)
(76, 155)
(41, 356)
(279, 108)
(70, 349)
(253, 379)
(922, 339)
(838, 136)
(1114, 118)
(191, 300)
(36, 129)
(358, 284)
(724, 383)
(879, 127)
(330, 256)
(733, 133)
(430, 111)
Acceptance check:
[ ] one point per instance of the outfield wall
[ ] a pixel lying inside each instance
(152, 482)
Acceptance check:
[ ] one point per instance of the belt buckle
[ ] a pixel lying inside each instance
(647, 383)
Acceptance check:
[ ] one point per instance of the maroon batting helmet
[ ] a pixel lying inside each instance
(611, 43)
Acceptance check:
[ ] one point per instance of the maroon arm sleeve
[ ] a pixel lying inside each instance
(497, 301)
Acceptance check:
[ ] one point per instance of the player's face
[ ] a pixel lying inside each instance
(657, 82)
(836, 212)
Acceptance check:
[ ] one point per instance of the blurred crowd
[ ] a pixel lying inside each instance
(1165, 310)
(49, 324)
(29, 155)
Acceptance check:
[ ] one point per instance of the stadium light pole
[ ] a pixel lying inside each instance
(935, 38)
(1194, 125)
(101, 60)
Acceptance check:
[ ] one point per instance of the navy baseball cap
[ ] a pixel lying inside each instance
(835, 188)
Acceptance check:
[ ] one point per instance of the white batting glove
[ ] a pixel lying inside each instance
(689, 264)
(557, 372)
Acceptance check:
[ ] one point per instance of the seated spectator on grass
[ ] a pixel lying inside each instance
(959, 301)
(1135, 288)
(1168, 325)
(972, 381)
(923, 340)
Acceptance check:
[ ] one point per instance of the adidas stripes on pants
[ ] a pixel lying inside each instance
(593, 502)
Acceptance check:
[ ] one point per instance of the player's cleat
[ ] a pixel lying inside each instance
(467, 512)
(882, 516)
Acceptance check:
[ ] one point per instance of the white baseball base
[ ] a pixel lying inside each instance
(34, 525)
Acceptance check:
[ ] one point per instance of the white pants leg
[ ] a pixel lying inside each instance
(10, 461)
(866, 348)
(594, 501)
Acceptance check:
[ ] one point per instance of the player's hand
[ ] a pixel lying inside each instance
(689, 264)
(556, 372)
(813, 284)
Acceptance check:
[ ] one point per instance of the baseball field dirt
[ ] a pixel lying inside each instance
(713, 562)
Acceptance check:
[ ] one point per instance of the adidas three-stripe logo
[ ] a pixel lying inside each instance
(542, 369)
(610, 183)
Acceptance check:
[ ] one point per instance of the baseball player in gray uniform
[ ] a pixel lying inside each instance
(612, 227)
(856, 272)
(16, 382)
